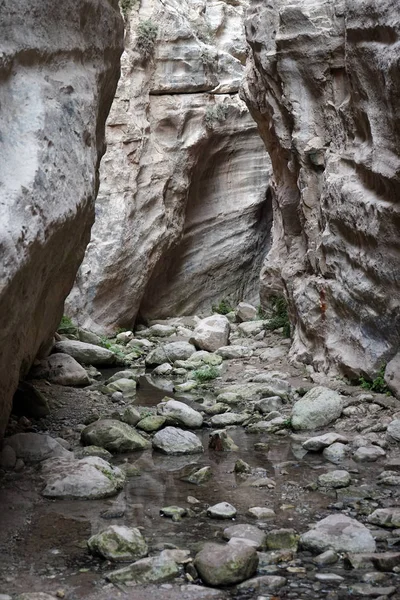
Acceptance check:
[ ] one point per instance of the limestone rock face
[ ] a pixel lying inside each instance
(183, 215)
(58, 73)
(323, 85)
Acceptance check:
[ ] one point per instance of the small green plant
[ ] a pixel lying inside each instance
(66, 326)
(222, 308)
(280, 317)
(215, 114)
(287, 423)
(146, 37)
(126, 6)
(261, 313)
(378, 384)
(205, 374)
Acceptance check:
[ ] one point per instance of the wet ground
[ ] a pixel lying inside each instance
(43, 542)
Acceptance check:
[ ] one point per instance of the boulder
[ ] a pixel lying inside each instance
(319, 442)
(368, 454)
(340, 533)
(181, 413)
(114, 436)
(169, 353)
(119, 544)
(35, 447)
(155, 569)
(334, 479)
(246, 532)
(127, 387)
(228, 418)
(229, 352)
(319, 407)
(87, 354)
(393, 431)
(222, 510)
(245, 312)
(220, 565)
(392, 375)
(152, 423)
(61, 369)
(172, 440)
(336, 453)
(211, 333)
(385, 517)
(88, 478)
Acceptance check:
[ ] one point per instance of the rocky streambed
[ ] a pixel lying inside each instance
(195, 460)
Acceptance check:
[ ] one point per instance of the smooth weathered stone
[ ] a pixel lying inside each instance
(245, 312)
(131, 416)
(383, 561)
(385, 517)
(35, 447)
(336, 453)
(392, 377)
(199, 476)
(119, 544)
(364, 590)
(169, 353)
(211, 333)
(266, 405)
(260, 513)
(319, 407)
(220, 441)
(335, 479)
(340, 533)
(87, 354)
(246, 532)
(228, 418)
(368, 454)
(282, 539)
(319, 442)
(93, 451)
(61, 369)
(125, 374)
(389, 478)
(87, 479)
(127, 387)
(264, 583)
(272, 426)
(151, 423)
(155, 569)
(172, 440)
(393, 431)
(251, 328)
(225, 565)
(114, 436)
(181, 413)
(329, 557)
(222, 510)
(173, 512)
(231, 352)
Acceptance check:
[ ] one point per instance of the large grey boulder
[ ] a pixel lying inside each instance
(319, 442)
(220, 565)
(173, 440)
(155, 569)
(87, 354)
(61, 369)
(35, 447)
(246, 532)
(245, 312)
(181, 413)
(53, 117)
(114, 436)
(392, 375)
(86, 479)
(169, 353)
(393, 431)
(119, 544)
(211, 333)
(319, 407)
(340, 533)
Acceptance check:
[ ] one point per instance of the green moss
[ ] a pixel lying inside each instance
(222, 308)
(206, 374)
(146, 37)
(66, 326)
(126, 6)
(378, 384)
(280, 317)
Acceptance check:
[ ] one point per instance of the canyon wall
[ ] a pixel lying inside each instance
(59, 68)
(183, 214)
(323, 84)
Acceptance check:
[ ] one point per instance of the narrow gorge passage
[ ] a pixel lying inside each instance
(216, 415)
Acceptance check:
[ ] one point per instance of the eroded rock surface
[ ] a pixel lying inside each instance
(59, 69)
(183, 215)
(323, 85)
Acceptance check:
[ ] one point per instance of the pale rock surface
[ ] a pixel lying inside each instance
(114, 436)
(119, 543)
(211, 333)
(54, 108)
(226, 565)
(181, 413)
(229, 352)
(35, 447)
(154, 569)
(61, 369)
(173, 440)
(340, 533)
(86, 479)
(88, 354)
(169, 353)
(318, 407)
(183, 214)
(245, 312)
(393, 431)
(323, 85)
(392, 375)
(319, 442)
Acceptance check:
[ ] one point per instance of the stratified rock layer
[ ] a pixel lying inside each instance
(183, 216)
(323, 84)
(59, 68)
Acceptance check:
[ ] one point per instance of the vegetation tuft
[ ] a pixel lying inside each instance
(126, 6)
(222, 308)
(66, 325)
(205, 374)
(146, 37)
(280, 317)
(377, 385)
